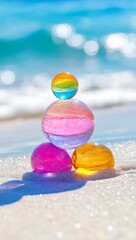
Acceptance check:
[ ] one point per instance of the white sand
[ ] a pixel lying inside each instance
(103, 207)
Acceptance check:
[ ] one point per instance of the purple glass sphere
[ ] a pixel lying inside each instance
(47, 158)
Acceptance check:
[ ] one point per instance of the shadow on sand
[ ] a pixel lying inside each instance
(35, 184)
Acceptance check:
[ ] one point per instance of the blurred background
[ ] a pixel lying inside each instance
(94, 40)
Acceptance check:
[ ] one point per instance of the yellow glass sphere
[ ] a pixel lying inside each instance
(92, 157)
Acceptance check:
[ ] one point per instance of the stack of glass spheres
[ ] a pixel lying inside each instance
(69, 124)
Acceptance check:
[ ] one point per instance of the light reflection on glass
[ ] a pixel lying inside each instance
(63, 30)
(122, 43)
(91, 47)
(76, 40)
(116, 41)
(8, 77)
(130, 50)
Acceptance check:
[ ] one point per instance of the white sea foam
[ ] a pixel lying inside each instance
(98, 91)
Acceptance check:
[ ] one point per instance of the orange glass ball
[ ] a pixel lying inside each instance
(93, 157)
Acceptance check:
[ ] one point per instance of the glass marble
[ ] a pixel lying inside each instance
(64, 86)
(68, 124)
(47, 158)
(93, 157)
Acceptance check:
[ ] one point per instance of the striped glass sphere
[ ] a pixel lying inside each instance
(68, 124)
(64, 86)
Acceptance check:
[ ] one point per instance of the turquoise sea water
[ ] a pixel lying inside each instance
(95, 40)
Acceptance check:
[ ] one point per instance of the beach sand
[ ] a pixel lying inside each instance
(69, 206)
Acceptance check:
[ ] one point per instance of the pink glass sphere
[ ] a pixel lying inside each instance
(68, 123)
(47, 158)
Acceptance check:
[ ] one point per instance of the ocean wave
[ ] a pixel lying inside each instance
(39, 41)
(32, 100)
(65, 44)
